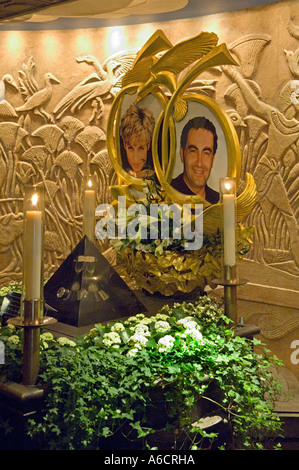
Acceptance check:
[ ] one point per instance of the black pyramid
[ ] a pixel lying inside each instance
(86, 289)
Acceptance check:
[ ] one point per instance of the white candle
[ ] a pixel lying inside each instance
(33, 253)
(229, 229)
(89, 211)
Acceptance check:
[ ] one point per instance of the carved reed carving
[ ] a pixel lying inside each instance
(36, 146)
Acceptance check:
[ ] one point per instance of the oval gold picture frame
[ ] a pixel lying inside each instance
(228, 147)
(113, 131)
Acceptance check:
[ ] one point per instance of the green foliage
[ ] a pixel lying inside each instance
(126, 380)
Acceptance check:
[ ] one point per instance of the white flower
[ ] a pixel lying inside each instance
(14, 339)
(65, 341)
(138, 340)
(117, 327)
(93, 332)
(132, 352)
(189, 323)
(162, 316)
(162, 326)
(165, 343)
(194, 334)
(141, 329)
(111, 338)
(131, 319)
(146, 321)
(140, 316)
(46, 336)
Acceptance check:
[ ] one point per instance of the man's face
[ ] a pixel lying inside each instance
(137, 153)
(197, 158)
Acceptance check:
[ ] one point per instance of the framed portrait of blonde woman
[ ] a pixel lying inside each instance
(130, 143)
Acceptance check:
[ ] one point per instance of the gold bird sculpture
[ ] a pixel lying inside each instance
(151, 72)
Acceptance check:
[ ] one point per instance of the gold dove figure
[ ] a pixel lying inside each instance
(152, 72)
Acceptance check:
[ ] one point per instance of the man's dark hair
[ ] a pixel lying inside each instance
(199, 122)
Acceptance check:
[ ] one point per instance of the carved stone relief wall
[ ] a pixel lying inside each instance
(54, 105)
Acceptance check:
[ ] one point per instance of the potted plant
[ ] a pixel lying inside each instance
(180, 379)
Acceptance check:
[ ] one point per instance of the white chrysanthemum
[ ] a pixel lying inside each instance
(166, 343)
(162, 326)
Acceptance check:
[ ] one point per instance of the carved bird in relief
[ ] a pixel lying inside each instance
(35, 98)
(6, 109)
(293, 61)
(102, 84)
(89, 89)
(152, 72)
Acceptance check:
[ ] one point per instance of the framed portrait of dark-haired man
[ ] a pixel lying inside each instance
(205, 149)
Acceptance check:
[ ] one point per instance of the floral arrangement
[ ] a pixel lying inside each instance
(164, 265)
(183, 323)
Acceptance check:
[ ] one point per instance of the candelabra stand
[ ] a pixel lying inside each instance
(230, 282)
(32, 323)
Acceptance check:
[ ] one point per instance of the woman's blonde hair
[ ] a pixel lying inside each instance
(137, 122)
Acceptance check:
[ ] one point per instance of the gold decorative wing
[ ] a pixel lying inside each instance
(185, 53)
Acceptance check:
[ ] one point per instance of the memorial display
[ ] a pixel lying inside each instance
(177, 117)
(186, 377)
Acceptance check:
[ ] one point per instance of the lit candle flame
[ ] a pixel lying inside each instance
(227, 186)
(89, 183)
(34, 199)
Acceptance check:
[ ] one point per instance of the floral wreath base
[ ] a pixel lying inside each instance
(171, 273)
